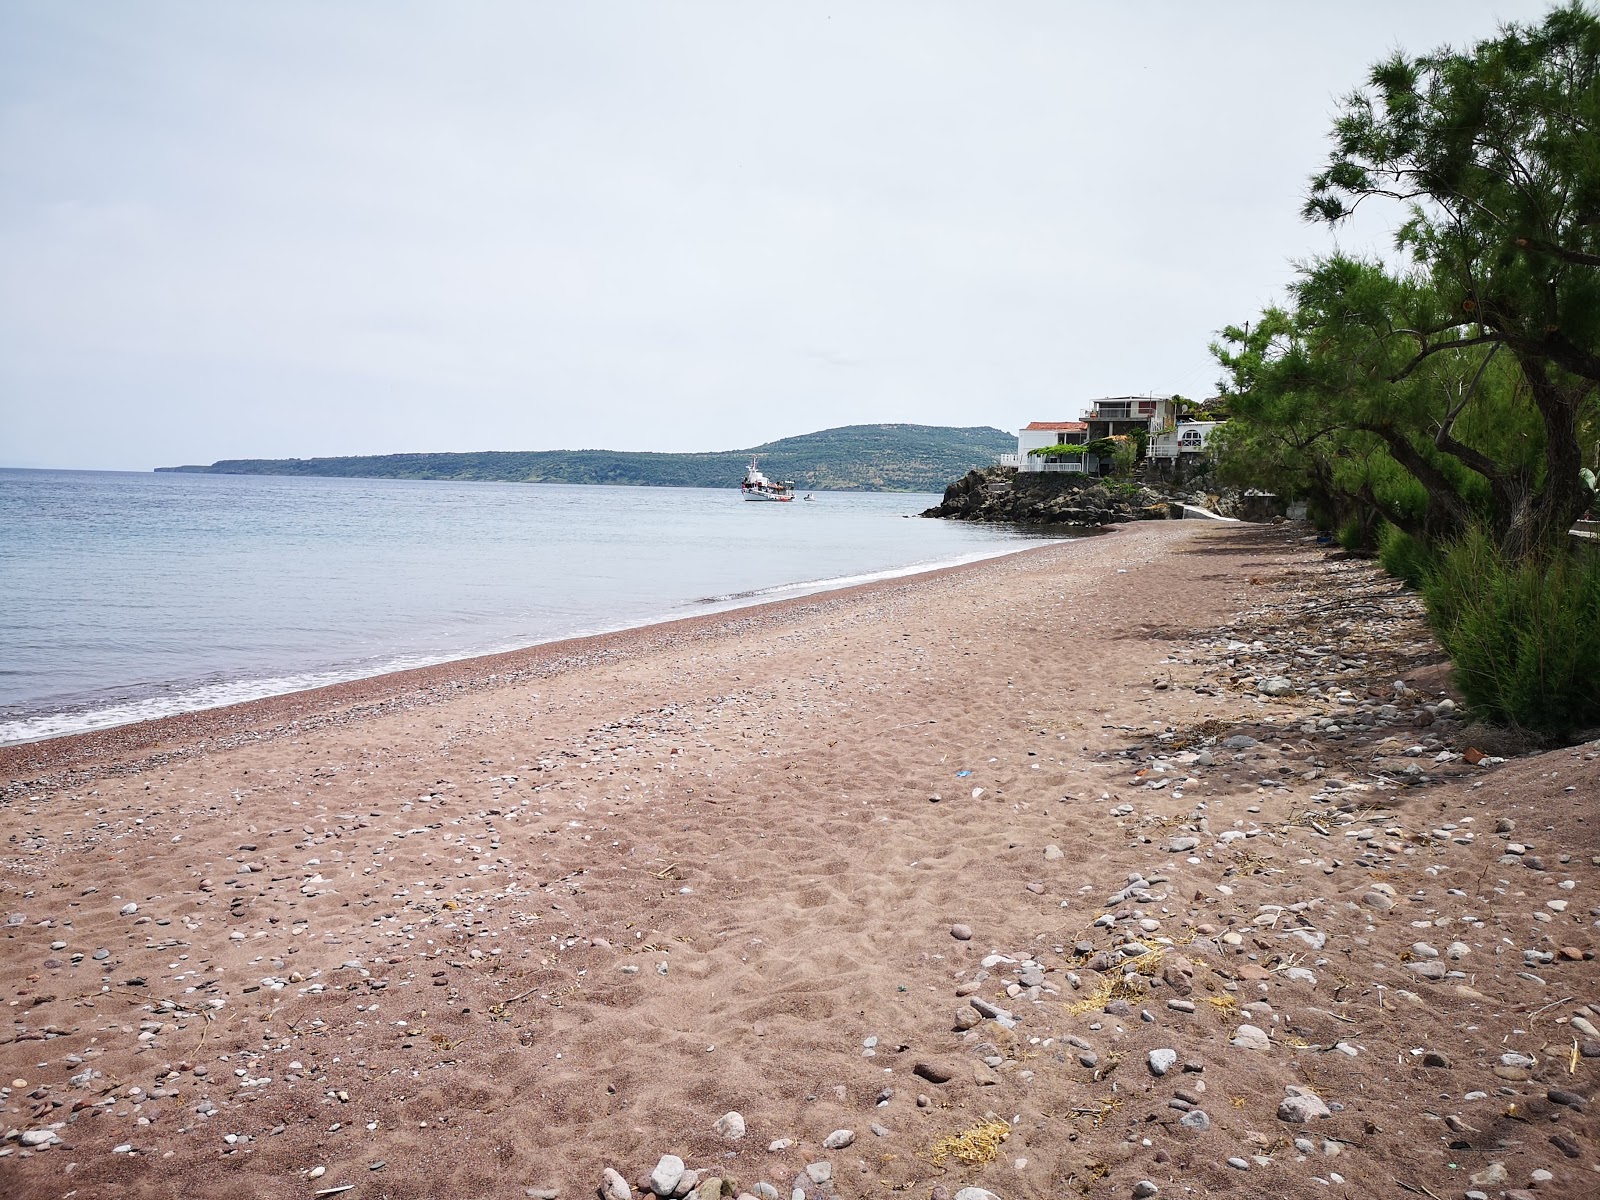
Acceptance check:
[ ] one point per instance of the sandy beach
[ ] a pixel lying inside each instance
(1158, 859)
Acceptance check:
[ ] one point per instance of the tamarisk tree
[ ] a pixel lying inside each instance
(1495, 153)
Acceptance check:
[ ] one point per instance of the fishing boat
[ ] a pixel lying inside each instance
(757, 486)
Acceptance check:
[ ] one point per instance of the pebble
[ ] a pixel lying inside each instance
(838, 1139)
(1161, 1061)
(730, 1127)
(1239, 1164)
(1300, 1106)
(961, 933)
(129, 909)
(1248, 1037)
(666, 1175)
(1144, 1189)
(1196, 1119)
(613, 1186)
(975, 1193)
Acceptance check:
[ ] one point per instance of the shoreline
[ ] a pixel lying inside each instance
(1162, 859)
(254, 719)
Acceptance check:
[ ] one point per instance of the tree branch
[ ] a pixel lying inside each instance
(1581, 257)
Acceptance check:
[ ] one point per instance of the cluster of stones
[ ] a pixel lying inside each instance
(672, 1179)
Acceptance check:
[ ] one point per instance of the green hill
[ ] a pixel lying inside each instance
(872, 458)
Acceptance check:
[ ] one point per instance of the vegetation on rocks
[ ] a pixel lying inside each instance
(1442, 411)
(1048, 498)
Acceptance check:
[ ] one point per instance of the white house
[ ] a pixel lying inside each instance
(1036, 435)
(1172, 439)
(1182, 440)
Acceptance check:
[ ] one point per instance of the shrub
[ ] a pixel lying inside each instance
(1524, 638)
(1352, 535)
(1407, 558)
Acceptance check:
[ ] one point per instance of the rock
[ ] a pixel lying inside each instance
(1378, 901)
(1196, 1119)
(838, 1139)
(1180, 844)
(666, 1175)
(614, 1186)
(1275, 685)
(933, 1072)
(1301, 1106)
(1429, 968)
(687, 1182)
(1566, 1145)
(975, 1193)
(730, 1127)
(961, 933)
(129, 909)
(1248, 1037)
(1161, 1061)
(1240, 741)
(1434, 1058)
(1052, 853)
(1239, 1164)
(1569, 1099)
(819, 1172)
(38, 1137)
(1144, 1189)
(1491, 1176)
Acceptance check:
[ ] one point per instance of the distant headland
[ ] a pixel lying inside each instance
(872, 458)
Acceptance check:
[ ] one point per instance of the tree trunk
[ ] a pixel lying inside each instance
(1544, 517)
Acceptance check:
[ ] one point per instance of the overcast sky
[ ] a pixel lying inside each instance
(294, 229)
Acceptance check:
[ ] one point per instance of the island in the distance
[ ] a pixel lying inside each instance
(886, 458)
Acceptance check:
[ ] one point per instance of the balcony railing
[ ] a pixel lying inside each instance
(1071, 467)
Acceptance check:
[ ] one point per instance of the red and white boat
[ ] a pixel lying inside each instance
(757, 486)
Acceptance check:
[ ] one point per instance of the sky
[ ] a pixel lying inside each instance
(235, 230)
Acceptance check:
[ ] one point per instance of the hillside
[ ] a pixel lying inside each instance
(890, 458)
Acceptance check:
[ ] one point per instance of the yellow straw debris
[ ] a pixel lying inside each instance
(973, 1147)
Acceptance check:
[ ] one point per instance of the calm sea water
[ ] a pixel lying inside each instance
(129, 596)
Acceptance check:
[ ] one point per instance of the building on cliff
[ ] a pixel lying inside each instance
(1172, 439)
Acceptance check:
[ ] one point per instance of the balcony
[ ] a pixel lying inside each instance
(1035, 463)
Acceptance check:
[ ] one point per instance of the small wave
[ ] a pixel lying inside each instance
(195, 699)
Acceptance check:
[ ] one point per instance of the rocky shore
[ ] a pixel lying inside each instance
(1004, 494)
(1156, 864)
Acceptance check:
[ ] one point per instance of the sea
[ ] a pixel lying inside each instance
(128, 596)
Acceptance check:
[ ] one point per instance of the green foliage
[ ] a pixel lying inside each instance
(1060, 448)
(1409, 559)
(1524, 636)
(1354, 535)
(918, 458)
(1125, 457)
